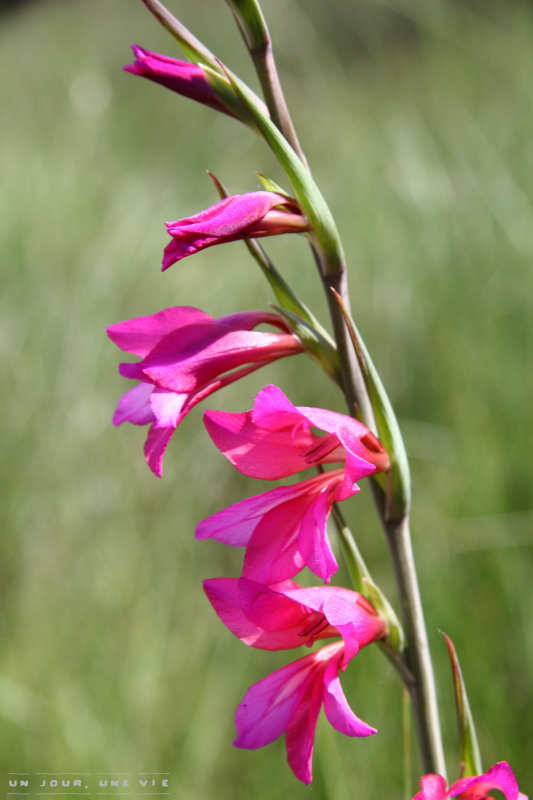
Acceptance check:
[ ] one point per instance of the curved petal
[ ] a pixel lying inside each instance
(228, 217)
(140, 335)
(247, 320)
(349, 432)
(155, 446)
(223, 596)
(300, 732)
(268, 705)
(254, 451)
(500, 776)
(269, 609)
(337, 710)
(433, 788)
(313, 542)
(134, 406)
(188, 358)
(167, 407)
(272, 553)
(273, 410)
(236, 524)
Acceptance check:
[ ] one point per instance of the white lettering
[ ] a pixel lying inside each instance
(143, 783)
(153, 783)
(126, 782)
(12, 783)
(24, 783)
(77, 783)
(165, 782)
(114, 783)
(103, 783)
(43, 783)
(65, 783)
(53, 783)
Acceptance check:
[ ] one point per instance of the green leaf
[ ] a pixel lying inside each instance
(398, 489)
(468, 745)
(316, 341)
(270, 186)
(324, 231)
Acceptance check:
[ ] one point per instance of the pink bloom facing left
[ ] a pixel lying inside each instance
(186, 355)
(286, 529)
(500, 777)
(289, 700)
(284, 616)
(241, 216)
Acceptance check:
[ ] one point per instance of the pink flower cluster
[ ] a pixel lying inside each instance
(187, 355)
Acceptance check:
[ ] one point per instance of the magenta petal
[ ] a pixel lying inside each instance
(269, 609)
(500, 777)
(313, 542)
(235, 525)
(256, 452)
(134, 406)
(272, 553)
(140, 335)
(349, 432)
(300, 733)
(273, 410)
(155, 446)
(433, 788)
(227, 217)
(337, 710)
(190, 357)
(223, 595)
(167, 407)
(268, 705)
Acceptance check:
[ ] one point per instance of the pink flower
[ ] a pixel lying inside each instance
(242, 216)
(186, 355)
(284, 616)
(182, 77)
(500, 777)
(289, 700)
(286, 529)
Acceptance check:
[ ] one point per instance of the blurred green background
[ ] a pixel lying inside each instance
(417, 118)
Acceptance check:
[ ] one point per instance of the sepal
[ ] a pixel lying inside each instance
(398, 488)
(468, 745)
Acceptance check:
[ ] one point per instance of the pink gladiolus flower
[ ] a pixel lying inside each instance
(284, 616)
(289, 700)
(186, 355)
(286, 529)
(242, 216)
(182, 77)
(500, 777)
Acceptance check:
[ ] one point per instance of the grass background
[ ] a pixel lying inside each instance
(417, 118)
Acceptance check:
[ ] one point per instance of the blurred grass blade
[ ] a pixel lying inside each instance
(324, 231)
(316, 341)
(399, 488)
(468, 745)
